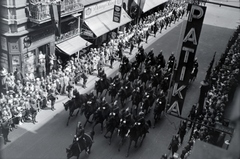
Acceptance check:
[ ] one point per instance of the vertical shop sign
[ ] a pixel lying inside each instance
(186, 59)
(117, 14)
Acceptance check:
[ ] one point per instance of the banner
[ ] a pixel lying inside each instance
(186, 59)
(117, 14)
(55, 12)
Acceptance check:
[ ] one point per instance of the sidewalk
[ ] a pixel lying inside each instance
(46, 115)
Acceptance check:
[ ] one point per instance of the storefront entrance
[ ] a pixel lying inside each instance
(37, 60)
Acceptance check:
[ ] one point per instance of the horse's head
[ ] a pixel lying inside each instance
(65, 106)
(69, 152)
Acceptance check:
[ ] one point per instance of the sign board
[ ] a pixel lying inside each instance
(13, 47)
(55, 12)
(186, 59)
(117, 14)
(98, 8)
(223, 128)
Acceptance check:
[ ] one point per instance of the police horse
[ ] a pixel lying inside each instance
(102, 84)
(78, 146)
(89, 108)
(138, 131)
(75, 103)
(112, 123)
(159, 108)
(100, 115)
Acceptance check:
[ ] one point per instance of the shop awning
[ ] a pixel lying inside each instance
(73, 45)
(149, 4)
(96, 26)
(103, 22)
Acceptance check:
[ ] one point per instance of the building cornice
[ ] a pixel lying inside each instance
(13, 21)
(14, 6)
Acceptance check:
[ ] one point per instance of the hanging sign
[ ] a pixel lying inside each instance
(117, 14)
(186, 59)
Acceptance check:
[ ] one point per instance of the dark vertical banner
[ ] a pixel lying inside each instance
(117, 13)
(55, 12)
(186, 59)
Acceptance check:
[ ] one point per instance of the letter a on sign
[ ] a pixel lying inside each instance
(174, 108)
(191, 36)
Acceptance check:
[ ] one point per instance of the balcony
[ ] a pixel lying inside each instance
(67, 35)
(39, 12)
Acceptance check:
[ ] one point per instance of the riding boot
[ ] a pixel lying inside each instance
(85, 144)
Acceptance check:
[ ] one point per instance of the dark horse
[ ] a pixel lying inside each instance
(71, 105)
(100, 115)
(158, 109)
(111, 124)
(147, 102)
(89, 109)
(136, 99)
(80, 99)
(101, 85)
(124, 68)
(75, 103)
(138, 131)
(77, 147)
(113, 89)
(125, 92)
(122, 131)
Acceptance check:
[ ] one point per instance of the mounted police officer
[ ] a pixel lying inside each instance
(79, 136)
(128, 117)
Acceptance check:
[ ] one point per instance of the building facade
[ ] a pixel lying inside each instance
(34, 33)
(98, 25)
(28, 36)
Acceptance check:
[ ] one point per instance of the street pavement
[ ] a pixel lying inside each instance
(50, 136)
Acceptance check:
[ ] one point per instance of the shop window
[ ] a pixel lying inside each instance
(69, 25)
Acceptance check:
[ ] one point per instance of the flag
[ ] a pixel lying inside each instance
(55, 12)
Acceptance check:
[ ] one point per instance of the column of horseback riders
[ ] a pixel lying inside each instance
(143, 82)
(25, 95)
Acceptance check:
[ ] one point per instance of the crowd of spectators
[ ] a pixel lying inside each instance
(224, 80)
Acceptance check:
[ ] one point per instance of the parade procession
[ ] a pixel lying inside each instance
(119, 78)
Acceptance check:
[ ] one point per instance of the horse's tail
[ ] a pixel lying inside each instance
(149, 123)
